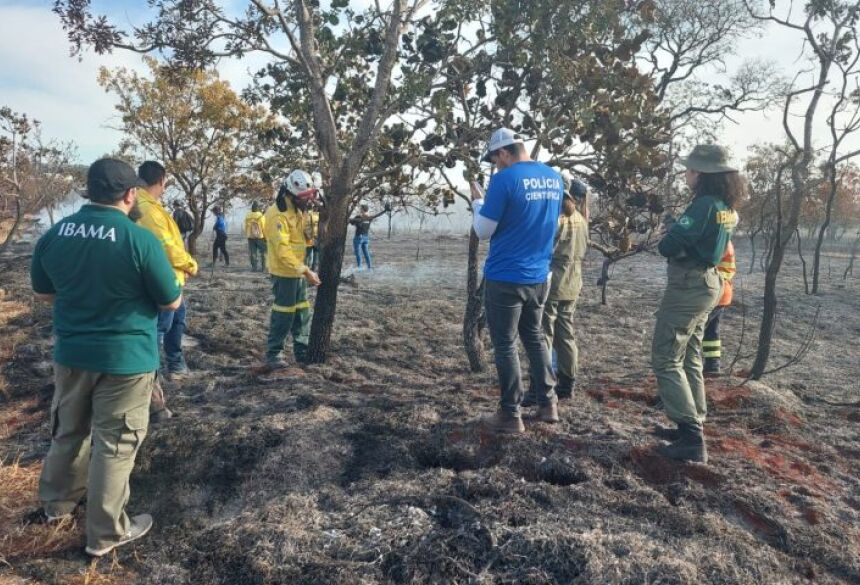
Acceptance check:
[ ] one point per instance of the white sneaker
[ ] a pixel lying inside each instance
(140, 525)
(51, 519)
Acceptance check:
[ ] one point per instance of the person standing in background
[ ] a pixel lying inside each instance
(184, 220)
(171, 323)
(361, 240)
(519, 215)
(220, 243)
(286, 242)
(712, 346)
(693, 247)
(313, 233)
(255, 231)
(571, 244)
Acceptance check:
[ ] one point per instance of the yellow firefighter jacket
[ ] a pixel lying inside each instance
(285, 241)
(156, 219)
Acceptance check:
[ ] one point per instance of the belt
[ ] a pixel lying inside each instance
(688, 262)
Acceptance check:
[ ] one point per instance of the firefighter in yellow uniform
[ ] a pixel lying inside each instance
(711, 343)
(171, 323)
(313, 233)
(286, 239)
(255, 231)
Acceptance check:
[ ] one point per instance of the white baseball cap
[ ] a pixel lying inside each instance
(499, 139)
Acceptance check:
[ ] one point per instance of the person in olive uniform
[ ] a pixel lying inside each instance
(694, 245)
(107, 279)
(571, 244)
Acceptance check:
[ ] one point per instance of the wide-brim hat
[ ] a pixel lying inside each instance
(709, 158)
(499, 139)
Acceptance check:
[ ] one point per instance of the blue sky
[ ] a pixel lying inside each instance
(38, 77)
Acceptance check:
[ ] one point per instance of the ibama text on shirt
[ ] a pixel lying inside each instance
(81, 230)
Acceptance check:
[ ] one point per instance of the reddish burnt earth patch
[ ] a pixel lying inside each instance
(780, 461)
(728, 397)
(658, 470)
(760, 525)
(621, 393)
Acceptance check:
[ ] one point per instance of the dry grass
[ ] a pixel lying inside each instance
(18, 497)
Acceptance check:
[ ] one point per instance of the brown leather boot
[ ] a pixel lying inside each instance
(505, 423)
(548, 413)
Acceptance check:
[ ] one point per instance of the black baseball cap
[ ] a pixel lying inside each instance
(109, 178)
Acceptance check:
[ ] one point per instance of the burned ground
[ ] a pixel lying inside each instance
(373, 468)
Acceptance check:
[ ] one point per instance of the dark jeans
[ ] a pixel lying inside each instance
(518, 309)
(361, 245)
(171, 326)
(220, 245)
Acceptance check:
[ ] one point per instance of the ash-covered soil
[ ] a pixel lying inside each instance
(374, 468)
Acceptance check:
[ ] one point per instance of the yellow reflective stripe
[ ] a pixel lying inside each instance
(292, 308)
(712, 354)
(716, 343)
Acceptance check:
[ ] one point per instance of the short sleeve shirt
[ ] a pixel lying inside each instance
(109, 276)
(525, 200)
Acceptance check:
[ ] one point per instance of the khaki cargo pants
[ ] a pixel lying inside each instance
(560, 335)
(98, 422)
(676, 348)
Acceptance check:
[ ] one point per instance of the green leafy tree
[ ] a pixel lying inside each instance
(345, 71)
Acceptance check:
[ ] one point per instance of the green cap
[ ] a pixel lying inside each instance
(708, 158)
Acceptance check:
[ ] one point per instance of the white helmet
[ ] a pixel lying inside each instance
(299, 182)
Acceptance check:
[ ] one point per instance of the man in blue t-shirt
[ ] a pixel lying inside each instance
(519, 216)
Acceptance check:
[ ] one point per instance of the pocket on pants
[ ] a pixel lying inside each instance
(132, 431)
(669, 342)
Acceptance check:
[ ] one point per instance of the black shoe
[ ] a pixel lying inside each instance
(711, 368)
(690, 445)
(565, 386)
(665, 433)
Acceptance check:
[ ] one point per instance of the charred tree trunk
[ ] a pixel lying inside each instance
(15, 225)
(472, 321)
(775, 259)
(768, 319)
(802, 261)
(752, 247)
(331, 264)
(828, 212)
